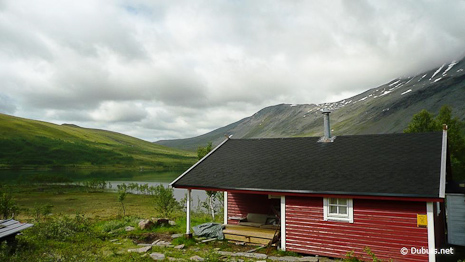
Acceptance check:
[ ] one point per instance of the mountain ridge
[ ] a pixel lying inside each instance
(387, 108)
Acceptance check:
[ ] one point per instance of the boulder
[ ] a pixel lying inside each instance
(173, 236)
(197, 258)
(129, 228)
(145, 224)
(155, 242)
(285, 259)
(140, 250)
(179, 246)
(163, 243)
(157, 256)
(309, 259)
(161, 221)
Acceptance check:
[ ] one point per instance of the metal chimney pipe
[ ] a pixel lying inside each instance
(327, 128)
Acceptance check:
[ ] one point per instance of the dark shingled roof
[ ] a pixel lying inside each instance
(405, 165)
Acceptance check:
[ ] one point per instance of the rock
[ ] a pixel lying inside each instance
(243, 254)
(155, 242)
(157, 256)
(325, 259)
(251, 255)
(144, 245)
(225, 253)
(309, 259)
(113, 240)
(197, 258)
(208, 240)
(140, 250)
(146, 224)
(171, 223)
(179, 246)
(129, 228)
(173, 236)
(163, 244)
(161, 221)
(285, 259)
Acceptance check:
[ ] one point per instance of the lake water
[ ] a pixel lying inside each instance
(114, 177)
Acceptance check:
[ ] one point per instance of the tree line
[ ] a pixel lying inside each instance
(425, 121)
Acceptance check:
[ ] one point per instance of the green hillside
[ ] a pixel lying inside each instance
(28, 143)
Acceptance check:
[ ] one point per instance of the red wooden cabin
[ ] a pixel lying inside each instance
(336, 195)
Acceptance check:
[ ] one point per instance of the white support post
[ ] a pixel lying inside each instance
(442, 178)
(283, 223)
(225, 199)
(431, 238)
(188, 220)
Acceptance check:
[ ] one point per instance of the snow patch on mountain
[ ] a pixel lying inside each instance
(437, 71)
(449, 67)
(408, 91)
(422, 77)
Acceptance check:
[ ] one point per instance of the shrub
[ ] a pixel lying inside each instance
(8, 207)
(122, 197)
(164, 202)
(62, 228)
(113, 225)
(41, 211)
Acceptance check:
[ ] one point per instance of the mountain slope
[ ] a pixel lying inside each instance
(28, 143)
(384, 109)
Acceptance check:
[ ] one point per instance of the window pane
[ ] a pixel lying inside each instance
(333, 209)
(343, 210)
(342, 201)
(333, 201)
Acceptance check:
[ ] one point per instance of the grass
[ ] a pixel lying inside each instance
(42, 144)
(88, 226)
(70, 201)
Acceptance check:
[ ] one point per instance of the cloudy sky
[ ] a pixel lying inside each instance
(175, 69)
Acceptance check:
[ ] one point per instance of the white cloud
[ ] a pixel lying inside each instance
(180, 68)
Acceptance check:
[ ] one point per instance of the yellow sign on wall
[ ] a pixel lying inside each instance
(422, 220)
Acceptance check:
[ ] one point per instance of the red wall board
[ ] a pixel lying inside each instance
(385, 226)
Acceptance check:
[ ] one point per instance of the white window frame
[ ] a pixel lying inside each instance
(337, 217)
